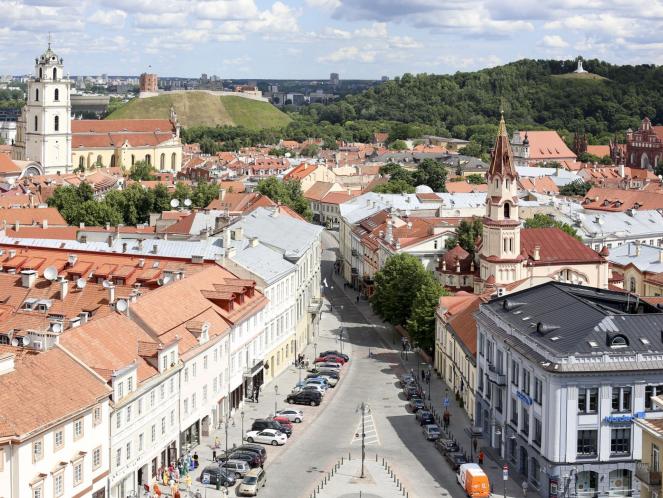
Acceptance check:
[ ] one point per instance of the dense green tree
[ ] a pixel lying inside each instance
(476, 179)
(141, 170)
(421, 323)
(540, 220)
(161, 198)
(93, 213)
(182, 192)
(287, 192)
(466, 235)
(577, 187)
(473, 149)
(310, 150)
(432, 173)
(398, 145)
(396, 285)
(278, 151)
(204, 193)
(394, 187)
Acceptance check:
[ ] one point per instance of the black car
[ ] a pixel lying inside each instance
(257, 448)
(411, 392)
(416, 404)
(445, 446)
(312, 398)
(335, 353)
(260, 424)
(424, 417)
(253, 459)
(455, 460)
(219, 475)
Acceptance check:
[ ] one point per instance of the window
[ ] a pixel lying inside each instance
(588, 400)
(154, 433)
(171, 386)
(621, 399)
(130, 384)
(655, 458)
(165, 362)
(148, 159)
(140, 407)
(78, 472)
(59, 439)
(56, 95)
(186, 405)
(96, 417)
(120, 390)
(538, 390)
(38, 489)
(96, 458)
(162, 392)
(37, 450)
(537, 432)
(205, 362)
(118, 457)
(526, 381)
(525, 427)
(193, 371)
(587, 442)
(173, 160)
(56, 123)
(55, 73)
(172, 417)
(205, 393)
(58, 484)
(128, 414)
(37, 95)
(482, 341)
(163, 425)
(480, 379)
(499, 401)
(118, 419)
(153, 395)
(186, 375)
(620, 441)
(649, 392)
(128, 450)
(193, 401)
(162, 162)
(514, 411)
(36, 123)
(514, 372)
(141, 441)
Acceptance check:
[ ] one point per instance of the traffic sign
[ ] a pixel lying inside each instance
(205, 478)
(446, 402)
(505, 472)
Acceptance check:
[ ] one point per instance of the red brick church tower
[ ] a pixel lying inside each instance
(644, 147)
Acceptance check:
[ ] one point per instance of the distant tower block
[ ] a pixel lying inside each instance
(334, 79)
(579, 70)
(148, 83)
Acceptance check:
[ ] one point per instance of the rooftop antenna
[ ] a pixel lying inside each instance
(15, 342)
(174, 203)
(187, 202)
(26, 341)
(49, 40)
(56, 327)
(106, 284)
(51, 273)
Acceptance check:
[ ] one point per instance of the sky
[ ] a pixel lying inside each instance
(289, 39)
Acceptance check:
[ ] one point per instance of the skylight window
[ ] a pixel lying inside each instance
(593, 344)
(556, 338)
(644, 340)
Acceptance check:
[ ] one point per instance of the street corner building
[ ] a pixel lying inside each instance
(565, 375)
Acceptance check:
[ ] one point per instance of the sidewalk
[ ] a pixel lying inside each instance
(325, 340)
(459, 421)
(346, 481)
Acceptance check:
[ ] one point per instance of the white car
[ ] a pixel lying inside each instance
(317, 382)
(328, 364)
(331, 381)
(295, 416)
(267, 436)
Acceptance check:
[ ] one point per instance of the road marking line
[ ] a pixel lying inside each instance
(370, 431)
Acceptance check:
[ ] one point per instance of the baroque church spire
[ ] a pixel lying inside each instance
(501, 163)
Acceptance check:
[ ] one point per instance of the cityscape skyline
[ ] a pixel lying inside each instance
(356, 38)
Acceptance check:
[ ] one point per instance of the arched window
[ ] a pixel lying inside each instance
(100, 162)
(632, 285)
(133, 159)
(507, 210)
(55, 73)
(36, 123)
(162, 161)
(81, 163)
(148, 159)
(507, 183)
(620, 482)
(112, 163)
(56, 123)
(41, 74)
(173, 159)
(587, 484)
(37, 94)
(497, 183)
(56, 95)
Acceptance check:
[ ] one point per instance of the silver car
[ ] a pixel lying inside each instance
(291, 414)
(431, 431)
(238, 467)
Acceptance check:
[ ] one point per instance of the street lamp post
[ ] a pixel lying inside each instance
(276, 393)
(430, 370)
(363, 407)
(315, 351)
(340, 338)
(242, 415)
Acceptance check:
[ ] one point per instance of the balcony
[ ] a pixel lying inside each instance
(644, 472)
(315, 306)
(495, 377)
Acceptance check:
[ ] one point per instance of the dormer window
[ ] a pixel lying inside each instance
(618, 341)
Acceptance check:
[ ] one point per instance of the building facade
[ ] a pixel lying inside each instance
(644, 147)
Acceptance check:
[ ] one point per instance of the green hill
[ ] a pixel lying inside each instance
(204, 109)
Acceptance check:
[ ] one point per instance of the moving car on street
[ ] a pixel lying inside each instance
(267, 436)
(291, 414)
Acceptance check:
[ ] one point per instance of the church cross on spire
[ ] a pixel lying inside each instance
(501, 131)
(49, 40)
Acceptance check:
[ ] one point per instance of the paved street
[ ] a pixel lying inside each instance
(332, 430)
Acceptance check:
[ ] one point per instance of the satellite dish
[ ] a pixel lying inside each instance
(81, 283)
(14, 342)
(26, 341)
(106, 284)
(174, 203)
(287, 154)
(187, 202)
(167, 279)
(56, 327)
(51, 273)
(121, 305)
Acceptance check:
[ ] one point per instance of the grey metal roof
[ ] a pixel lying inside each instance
(263, 261)
(210, 249)
(644, 258)
(569, 320)
(290, 235)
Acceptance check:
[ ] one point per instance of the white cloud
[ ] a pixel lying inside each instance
(226, 9)
(404, 42)
(329, 5)
(159, 21)
(553, 41)
(349, 54)
(109, 17)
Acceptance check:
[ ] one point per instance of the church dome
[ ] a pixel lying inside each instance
(423, 189)
(49, 57)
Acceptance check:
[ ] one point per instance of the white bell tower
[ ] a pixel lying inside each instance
(47, 115)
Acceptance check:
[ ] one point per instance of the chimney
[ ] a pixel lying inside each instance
(536, 256)
(637, 248)
(155, 248)
(238, 233)
(44, 223)
(124, 247)
(253, 241)
(109, 239)
(621, 170)
(222, 194)
(111, 293)
(28, 278)
(226, 238)
(64, 288)
(389, 236)
(81, 225)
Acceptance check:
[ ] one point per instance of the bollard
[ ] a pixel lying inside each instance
(349, 456)
(376, 457)
(341, 460)
(398, 483)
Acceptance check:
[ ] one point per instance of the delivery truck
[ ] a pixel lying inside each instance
(473, 480)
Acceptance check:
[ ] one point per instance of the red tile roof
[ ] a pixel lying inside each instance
(465, 187)
(547, 146)
(7, 166)
(32, 216)
(556, 247)
(612, 199)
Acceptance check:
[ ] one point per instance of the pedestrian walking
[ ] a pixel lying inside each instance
(525, 485)
(423, 375)
(256, 393)
(357, 298)
(481, 456)
(446, 418)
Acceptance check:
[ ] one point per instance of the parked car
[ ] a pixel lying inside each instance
(261, 424)
(238, 468)
(256, 448)
(327, 379)
(319, 382)
(312, 388)
(219, 475)
(332, 358)
(445, 446)
(331, 381)
(407, 378)
(253, 459)
(431, 431)
(284, 421)
(291, 414)
(329, 364)
(305, 398)
(336, 353)
(411, 392)
(416, 404)
(332, 372)
(252, 482)
(424, 417)
(267, 436)
(455, 460)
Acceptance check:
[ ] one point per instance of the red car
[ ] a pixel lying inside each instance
(330, 358)
(284, 421)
